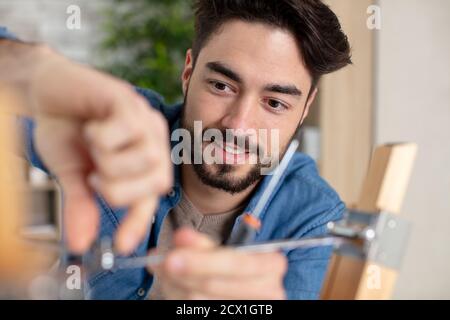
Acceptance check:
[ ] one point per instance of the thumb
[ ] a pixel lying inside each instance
(80, 216)
(187, 237)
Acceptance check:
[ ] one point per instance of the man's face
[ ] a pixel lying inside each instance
(248, 76)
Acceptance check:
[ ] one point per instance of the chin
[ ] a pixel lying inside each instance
(230, 178)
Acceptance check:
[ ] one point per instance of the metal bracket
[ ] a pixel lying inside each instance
(377, 237)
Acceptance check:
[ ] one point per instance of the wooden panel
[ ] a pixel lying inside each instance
(346, 106)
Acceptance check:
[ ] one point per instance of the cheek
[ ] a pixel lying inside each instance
(205, 107)
(279, 135)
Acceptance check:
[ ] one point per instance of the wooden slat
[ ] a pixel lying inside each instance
(19, 262)
(342, 285)
(384, 189)
(11, 208)
(386, 182)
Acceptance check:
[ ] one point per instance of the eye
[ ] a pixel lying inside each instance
(276, 105)
(220, 86)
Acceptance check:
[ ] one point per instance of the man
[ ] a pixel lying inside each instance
(253, 65)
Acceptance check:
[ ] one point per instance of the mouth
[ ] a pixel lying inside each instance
(229, 153)
(230, 148)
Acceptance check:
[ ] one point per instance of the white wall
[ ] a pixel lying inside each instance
(413, 104)
(45, 21)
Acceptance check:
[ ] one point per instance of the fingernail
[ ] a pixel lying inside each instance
(93, 180)
(86, 134)
(176, 264)
(126, 244)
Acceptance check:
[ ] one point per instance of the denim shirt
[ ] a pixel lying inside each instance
(301, 206)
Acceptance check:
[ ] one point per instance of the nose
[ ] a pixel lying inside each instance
(241, 115)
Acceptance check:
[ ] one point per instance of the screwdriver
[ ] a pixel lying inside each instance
(250, 222)
(104, 258)
(109, 262)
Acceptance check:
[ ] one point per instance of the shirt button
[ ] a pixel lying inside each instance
(141, 292)
(171, 193)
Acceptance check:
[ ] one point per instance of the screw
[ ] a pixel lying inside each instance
(392, 224)
(369, 234)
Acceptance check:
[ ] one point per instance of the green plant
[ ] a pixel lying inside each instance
(146, 42)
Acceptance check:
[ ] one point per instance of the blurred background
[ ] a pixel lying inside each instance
(398, 90)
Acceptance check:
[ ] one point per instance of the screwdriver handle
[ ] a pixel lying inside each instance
(246, 231)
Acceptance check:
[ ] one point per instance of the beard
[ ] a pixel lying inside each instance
(224, 179)
(221, 176)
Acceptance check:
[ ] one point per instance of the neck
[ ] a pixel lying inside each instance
(209, 200)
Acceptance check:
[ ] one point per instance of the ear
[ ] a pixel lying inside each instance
(187, 72)
(310, 101)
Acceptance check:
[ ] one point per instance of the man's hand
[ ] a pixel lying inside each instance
(94, 133)
(197, 269)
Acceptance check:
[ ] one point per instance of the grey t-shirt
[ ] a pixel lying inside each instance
(217, 226)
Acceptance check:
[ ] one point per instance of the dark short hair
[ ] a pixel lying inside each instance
(324, 46)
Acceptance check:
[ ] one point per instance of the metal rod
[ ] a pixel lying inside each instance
(275, 178)
(141, 262)
(291, 244)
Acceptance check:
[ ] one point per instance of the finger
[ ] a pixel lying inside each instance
(80, 217)
(222, 262)
(172, 291)
(175, 290)
(135, 225)
(127, 122)
(111, 134)
(187, 237)
(134, 160)
(263, 287)
(125, 192)
(184, 237)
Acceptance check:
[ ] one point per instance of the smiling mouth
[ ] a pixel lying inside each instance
(230, 148)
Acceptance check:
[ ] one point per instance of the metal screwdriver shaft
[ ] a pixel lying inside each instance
(142, 262)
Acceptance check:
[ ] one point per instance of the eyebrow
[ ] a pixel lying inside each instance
(284, 89)
(223, 69)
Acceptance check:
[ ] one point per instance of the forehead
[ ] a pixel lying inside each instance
(257, 50)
